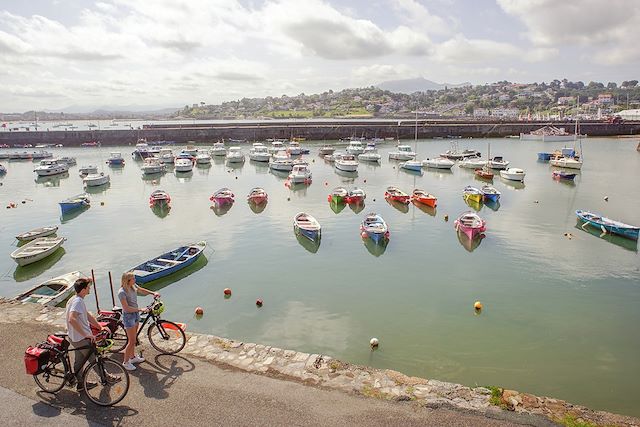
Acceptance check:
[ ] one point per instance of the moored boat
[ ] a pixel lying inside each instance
(355, 196)
(472, 193)
(513, 174)
(375, 228)
(96, 179)
(563, 175)
(403, 152)
(87, 170)
(168, 263)
(257, 195)
(259, 153)
(307, 226)
(338, 195)
(470, 224)
(37, 232)
(472, 163)
(608, 225)
(355, 147)
(73, 203)
(159, 197)
(490, 194)
(183, 165)
(566, 162)
(438, 163)
(51, 167)
(370, 154)
(326, 149)
(396, 195)
(346, 163)
(115, 159)
(203, 159)
(223, 196)
(498, 163)
(70, 161)
(36, 250)
(484, 173)
(52, 292)
(412, 165)
(300, 174)
(421, 196)
(284, 165)
(218, 150)
(455, 154)
(235, 155)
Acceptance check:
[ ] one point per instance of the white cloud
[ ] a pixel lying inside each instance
(376, 73)
(460, 49)
(419, 17)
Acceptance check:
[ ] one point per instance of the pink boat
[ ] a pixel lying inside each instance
(222, 197)
(257, 196)
(470, 224)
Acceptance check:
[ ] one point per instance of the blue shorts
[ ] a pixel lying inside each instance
(129, 320)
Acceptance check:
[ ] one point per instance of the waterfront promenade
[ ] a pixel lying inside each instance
(222, 382)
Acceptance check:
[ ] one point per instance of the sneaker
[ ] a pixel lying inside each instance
(90, 385)
(136, 359)
(129, 366)
(112, 379)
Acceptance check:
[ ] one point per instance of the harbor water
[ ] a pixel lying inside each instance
(560, 312)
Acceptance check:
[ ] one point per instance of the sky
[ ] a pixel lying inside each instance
(169, 53)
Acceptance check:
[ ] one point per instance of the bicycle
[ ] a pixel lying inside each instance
(164, 335)
(105, 381)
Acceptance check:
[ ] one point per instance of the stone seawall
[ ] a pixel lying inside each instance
(311, 130)
(325, 371)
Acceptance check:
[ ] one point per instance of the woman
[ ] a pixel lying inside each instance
(127, 294)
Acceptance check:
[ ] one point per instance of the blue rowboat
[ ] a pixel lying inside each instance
(563, 175)
(608, 225)
(307, 226)
(73, 203)
(545, 157)
(168, 263)
(374, 227)
(490, 194)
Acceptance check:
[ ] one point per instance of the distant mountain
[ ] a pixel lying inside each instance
(419, 84)
(102, 109)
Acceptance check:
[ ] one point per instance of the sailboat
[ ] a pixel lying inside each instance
(571, 162)
(485, 172)
(413, 165)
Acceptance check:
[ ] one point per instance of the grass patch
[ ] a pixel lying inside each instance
(369, 391)
(571, 421)
(496, 396)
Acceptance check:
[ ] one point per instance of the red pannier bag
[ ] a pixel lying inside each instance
(35, 359)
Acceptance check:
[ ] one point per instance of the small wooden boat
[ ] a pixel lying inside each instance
(513, 174)
(37, 232)
(608, 225)
(52, 292)
(159, 197)
(96, 179)
(168, 263)
(355, 196)
(396, 195)
(73, 203)
(472, 193)
(223, 196)
(484, 173)
(470, 224)
(307, 226)
(257, 196)
(490, 194)
(563, 175)
(421, 196)
(338, 195)
(36, 250)
(375, 228)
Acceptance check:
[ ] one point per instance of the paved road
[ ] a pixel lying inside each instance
(172, 390)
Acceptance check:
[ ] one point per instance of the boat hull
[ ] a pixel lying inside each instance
(607, 225)
(21, 259)
(143, 276)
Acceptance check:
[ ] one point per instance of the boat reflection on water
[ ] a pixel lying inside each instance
(51, 181)
(623, 242)
(257, 208)
(152, 178)
(203, 169)
(357, 207)
(402, 207)
(279, 174)
(375, 249)
(411, 171)
(37, 268)
(567, 182)
(475, 205)
(198, 264)
(483, 179)
(221, 209)
(337, 207)
(161, 210)
(310, 245)
(260, 167)
(116, 169)
(235, 165)
(73, 214)
(424, 208)
(184, 176)
(440, 173)
(515, 185)
(300, 188)
(98, 189)
(469, 244)
(347, 177)
(493, 205)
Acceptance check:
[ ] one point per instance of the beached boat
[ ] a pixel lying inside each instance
(51, 167)
(513, 174)
(403, 152)
(346, 163)
(338, 195)
(159, 197)
(96, 179)
(300, 174)
(608, 225)
(257, 195)
(498, 163)
(438, 163)
(470, 224)
(73, 203)
(37, 232)
(183, 165)
(223, 196)
(490, 194)
(472, 193)
(115, 159)
(370, 154)
(421, 196)
(218, 150)
(36, 250)
(87, 170)
(307, 226)
(325, 150)
(374, 227)
(396, 195)
(52, 292)
(563, 175)
(168, 263)
(355, 196)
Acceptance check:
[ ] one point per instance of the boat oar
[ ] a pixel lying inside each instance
(95, 290)
(113, 301)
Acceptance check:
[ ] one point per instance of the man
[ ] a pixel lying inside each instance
(79, 329)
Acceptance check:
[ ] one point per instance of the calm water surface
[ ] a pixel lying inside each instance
(560, 317)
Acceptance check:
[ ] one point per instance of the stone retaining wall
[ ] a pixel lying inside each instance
(325, 371)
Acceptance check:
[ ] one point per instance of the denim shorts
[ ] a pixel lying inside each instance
(129, 320)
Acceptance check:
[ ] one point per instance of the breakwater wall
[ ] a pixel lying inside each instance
(309, 129)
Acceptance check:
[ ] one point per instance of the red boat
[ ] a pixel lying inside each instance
(421, 196)
(396, 195)
(355, 196)
(484, 173)
(257, 195)
(159, 196)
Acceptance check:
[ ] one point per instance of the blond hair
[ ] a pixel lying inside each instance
(126, 277)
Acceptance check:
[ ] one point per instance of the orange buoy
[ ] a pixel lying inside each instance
(363, 234)
(259, 302)
(199, 311)
(477, 305)
(227, 291)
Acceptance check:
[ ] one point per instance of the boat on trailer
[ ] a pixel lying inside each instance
(52, 292)
(168, 263)
(608, 225)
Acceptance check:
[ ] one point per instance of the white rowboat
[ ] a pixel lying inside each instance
(36, 250)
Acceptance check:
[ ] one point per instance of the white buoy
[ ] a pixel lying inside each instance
(374, 343)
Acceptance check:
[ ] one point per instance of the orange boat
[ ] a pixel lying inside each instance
(396, 195)
(484, 173)
(421, 196)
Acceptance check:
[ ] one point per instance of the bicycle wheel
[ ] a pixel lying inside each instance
(166, 337)
(120, 340)
(54, 376)
(106, 382)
